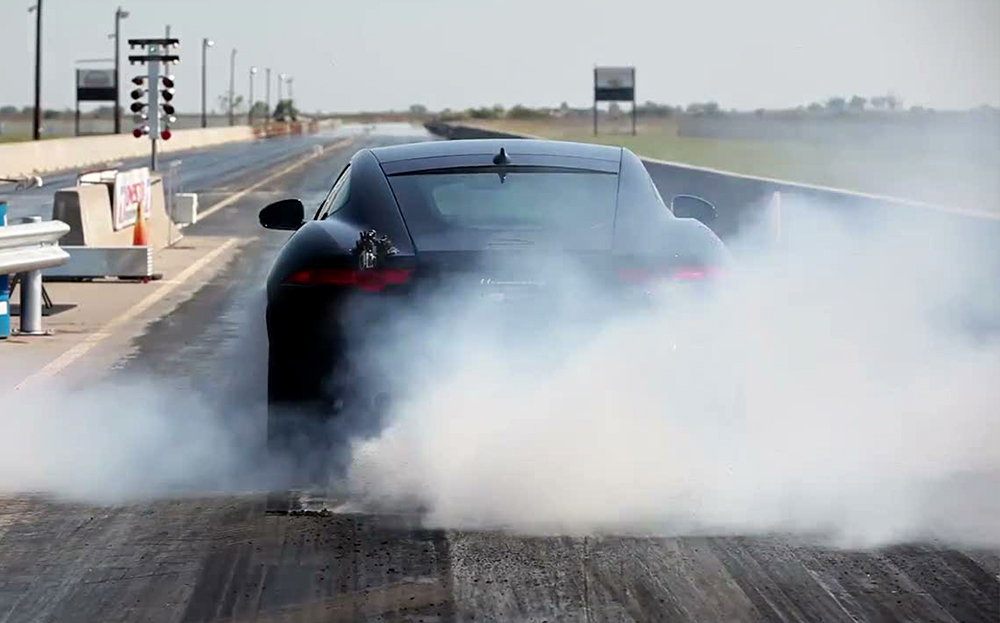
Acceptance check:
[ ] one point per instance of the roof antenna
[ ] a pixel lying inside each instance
(501, 158)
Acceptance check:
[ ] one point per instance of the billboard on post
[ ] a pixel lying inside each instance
(131, 187)
(614, 84)
(95, 85)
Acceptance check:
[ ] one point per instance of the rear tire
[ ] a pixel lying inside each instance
(299, 409)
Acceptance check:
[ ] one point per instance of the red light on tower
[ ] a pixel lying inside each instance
(137, 132)
(166, 134)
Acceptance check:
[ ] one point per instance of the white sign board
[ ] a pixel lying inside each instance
(131, 187)
(95, 78)
(614, 77)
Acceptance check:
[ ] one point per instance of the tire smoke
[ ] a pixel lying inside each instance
(841, 384)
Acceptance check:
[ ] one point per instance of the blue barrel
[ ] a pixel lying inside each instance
(4, 287)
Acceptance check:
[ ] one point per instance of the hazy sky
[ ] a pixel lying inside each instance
(380, 54)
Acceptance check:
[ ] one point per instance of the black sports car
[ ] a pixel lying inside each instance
(406, 220)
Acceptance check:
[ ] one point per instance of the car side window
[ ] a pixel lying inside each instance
(338, 195)
(656, 191)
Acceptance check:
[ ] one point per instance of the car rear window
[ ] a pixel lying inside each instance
(493, 199)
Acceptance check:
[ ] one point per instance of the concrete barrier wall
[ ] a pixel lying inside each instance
(67, 153)
(87, 211)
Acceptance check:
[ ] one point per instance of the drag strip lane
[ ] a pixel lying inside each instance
(209, 556)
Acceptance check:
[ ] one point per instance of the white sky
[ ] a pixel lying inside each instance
(381, 54)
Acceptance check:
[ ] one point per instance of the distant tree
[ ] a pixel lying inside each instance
(759, 112)
(49, 113)
(564, 107)
(706, 108)
(649, 108)
(523, 112)
(893, 102)
(28, 110)
(449, 115)
(482, 113)
(418, 110)
(614, 110)
(259, 111)
(8, 110)
(857, 103)
(815, 107)
(285, 111)
(836, 104)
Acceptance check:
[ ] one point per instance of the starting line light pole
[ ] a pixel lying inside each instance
(614, 84)
(153, 116)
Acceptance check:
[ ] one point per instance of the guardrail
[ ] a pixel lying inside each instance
(26, 249)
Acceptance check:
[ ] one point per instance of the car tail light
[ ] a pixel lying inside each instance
(646, 274)
(371, 280)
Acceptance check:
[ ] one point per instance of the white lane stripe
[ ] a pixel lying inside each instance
(82, 348)
(267, 180)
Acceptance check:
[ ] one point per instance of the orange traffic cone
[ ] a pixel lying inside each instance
(139, 237)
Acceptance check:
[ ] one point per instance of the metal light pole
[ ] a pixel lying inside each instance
(120, 14)
(253, 70)
(232, 84)
(37, 124)
(205, 44)
(267, 98)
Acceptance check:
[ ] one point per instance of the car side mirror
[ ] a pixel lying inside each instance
(285, 214)
(689, 206)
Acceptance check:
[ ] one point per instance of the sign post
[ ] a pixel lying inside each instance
(614, 84)
(93, 85)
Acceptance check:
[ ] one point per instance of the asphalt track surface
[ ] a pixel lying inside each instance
(223, 557)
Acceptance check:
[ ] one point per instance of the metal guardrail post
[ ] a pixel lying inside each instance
(4, 287)
(31, 295)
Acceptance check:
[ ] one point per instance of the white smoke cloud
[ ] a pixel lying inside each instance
(831, 386)
(842, 384)
(128, 439)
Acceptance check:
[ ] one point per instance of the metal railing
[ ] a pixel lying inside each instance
(26, 249)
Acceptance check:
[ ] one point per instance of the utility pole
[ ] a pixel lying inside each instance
(37, 123)
(205, 44)
(267, 99)
(253, 70)
(232, 84)
(120, 14)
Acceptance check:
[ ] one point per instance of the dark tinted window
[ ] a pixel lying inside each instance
(512, 200)
(338, 196)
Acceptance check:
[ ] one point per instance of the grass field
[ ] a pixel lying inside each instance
(957, 178)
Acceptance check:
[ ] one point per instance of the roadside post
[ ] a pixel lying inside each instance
(4, 286)
(31, 294)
